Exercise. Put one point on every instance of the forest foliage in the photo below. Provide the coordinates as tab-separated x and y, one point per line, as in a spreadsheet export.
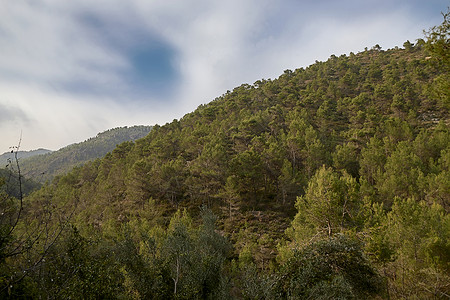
332	181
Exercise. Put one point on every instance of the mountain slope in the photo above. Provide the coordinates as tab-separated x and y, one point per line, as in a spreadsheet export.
11	188
22	155
45	167
252	151
330	180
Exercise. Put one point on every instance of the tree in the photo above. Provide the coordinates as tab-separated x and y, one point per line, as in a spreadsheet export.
207	171
231	197
25	241
288	182
167	180
402	174
438	184
411	243
330	205
438	40
195	257
144	274
305	148
346	157
247	166
332	268
438	44
372	160
78	267
178	248
408	46
213	249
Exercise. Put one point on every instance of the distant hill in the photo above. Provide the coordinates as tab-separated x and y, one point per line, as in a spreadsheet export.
22	154
8	173
50	164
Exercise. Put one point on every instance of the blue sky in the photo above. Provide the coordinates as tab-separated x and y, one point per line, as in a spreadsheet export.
71	69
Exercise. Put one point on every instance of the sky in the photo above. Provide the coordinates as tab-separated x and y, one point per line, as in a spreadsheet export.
72	69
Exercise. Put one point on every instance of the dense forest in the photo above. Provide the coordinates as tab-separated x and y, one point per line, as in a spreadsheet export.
330	182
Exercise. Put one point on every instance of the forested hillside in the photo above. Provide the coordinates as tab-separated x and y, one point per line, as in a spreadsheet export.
9	180
7	156
45	167
332	181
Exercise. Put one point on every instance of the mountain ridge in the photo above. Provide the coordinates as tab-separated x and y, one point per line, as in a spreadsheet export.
48	165
22	154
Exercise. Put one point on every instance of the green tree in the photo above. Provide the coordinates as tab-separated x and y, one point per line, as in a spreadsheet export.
77	267
330	205
195	257
289	182
408	46
438	41
178	249
230	195
373	158
333	268
438	184
346	158
306	150
208	171
420	235
402	174
247	166
168	180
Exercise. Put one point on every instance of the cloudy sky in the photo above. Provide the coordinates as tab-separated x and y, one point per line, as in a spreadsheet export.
72	69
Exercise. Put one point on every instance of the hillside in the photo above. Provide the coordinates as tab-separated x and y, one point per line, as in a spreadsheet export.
332	180
45	167
22	155
10	187
262	143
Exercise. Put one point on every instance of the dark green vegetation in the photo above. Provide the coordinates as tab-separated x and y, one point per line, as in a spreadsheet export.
9	179
45	167
330	182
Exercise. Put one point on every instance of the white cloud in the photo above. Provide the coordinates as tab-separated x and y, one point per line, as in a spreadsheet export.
51	120
44	44
218	45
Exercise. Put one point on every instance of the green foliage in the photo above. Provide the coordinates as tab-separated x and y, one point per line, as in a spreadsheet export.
11	186
438	41
258	146
8	210
345	158
411	242
78	267
403	172
334	268
330	205
254	284
182	262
